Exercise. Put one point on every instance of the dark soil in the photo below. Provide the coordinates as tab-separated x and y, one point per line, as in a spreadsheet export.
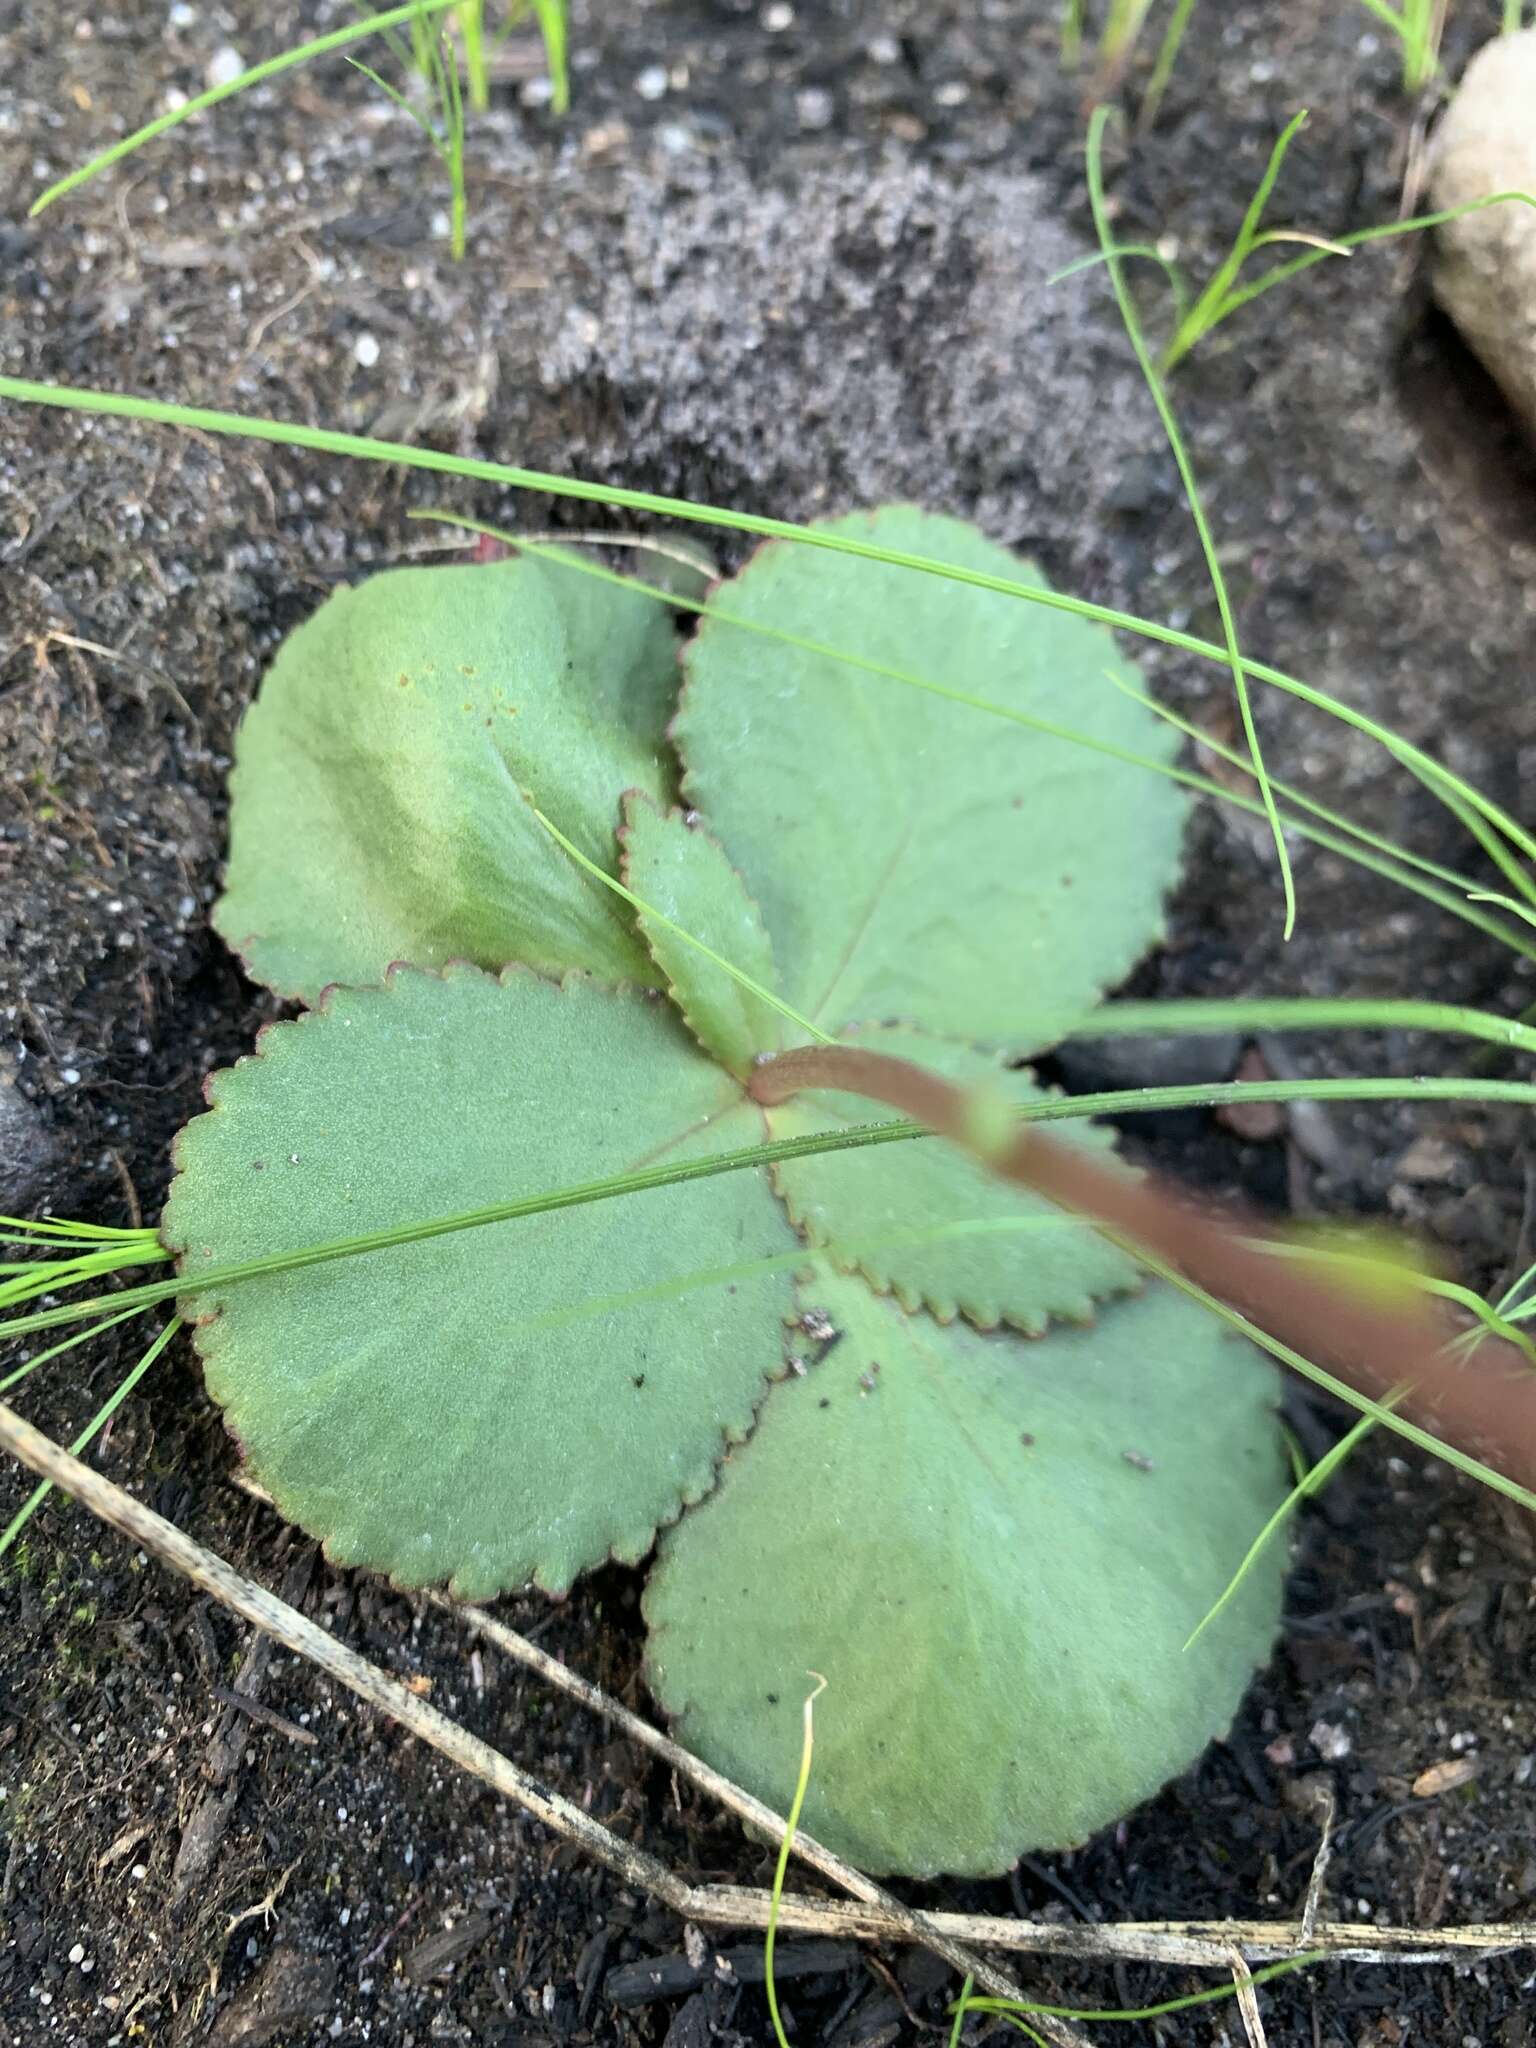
811	272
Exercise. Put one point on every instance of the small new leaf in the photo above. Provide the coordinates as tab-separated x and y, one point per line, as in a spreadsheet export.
673	864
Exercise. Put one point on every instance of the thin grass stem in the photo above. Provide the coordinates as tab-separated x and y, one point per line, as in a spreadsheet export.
1006	2008
258	74
1154	385
284	433
1455	899
1167	59
1207	309
1056	1109
807	1746
1311	1482
97	1423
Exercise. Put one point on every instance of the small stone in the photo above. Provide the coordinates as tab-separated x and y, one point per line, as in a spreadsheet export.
1445	1777
1331	1740
777	17
366	350
1257	1122
1089	1064
1484	271
29	1154
223	67
652	82
77	1952
814	108
1428	1159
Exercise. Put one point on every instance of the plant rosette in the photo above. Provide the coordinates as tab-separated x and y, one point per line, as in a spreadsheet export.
876	1414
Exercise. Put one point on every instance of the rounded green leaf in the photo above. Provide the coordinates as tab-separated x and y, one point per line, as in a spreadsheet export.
510	1402
915	857
672	864
1011	1257
994	1550
384	780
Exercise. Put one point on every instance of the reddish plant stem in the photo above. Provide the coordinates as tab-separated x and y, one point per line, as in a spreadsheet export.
1481	1400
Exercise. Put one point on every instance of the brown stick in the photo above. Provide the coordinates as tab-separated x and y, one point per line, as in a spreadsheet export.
1480	1399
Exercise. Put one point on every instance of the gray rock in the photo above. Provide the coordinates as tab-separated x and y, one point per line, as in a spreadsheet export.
1485	263
29	1153
1168	1060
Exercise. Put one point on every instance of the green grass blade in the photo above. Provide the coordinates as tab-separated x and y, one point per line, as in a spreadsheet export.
98	1422
258	74
1377	1411
552	26
791	1824
1302	1013
284	433
1296	796
959	2010
1007	2007
392	93
1109	1102
1072	33
1154	385
54	1227
471	22
1313	1481
1352	842
1167	59
1245	295
1207	309
29	1366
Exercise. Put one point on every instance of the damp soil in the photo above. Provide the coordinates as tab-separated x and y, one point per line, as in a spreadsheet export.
787	260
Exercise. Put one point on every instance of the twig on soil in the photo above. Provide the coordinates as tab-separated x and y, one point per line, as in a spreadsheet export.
919	1928
267	1716
1204	1944
284	1624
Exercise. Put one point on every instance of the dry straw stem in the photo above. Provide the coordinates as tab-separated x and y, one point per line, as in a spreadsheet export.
1248	2002
870	1917
705	1904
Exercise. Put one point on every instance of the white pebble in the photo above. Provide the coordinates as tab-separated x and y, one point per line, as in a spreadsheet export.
366	350
70	1076
778	17
652	82
1331	1741
181	15
814	107
77	1953
223	67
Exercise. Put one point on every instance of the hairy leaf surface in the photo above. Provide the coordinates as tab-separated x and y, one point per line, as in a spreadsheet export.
994	1552
847	1202
679	870
385	777
914	857
510	1402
